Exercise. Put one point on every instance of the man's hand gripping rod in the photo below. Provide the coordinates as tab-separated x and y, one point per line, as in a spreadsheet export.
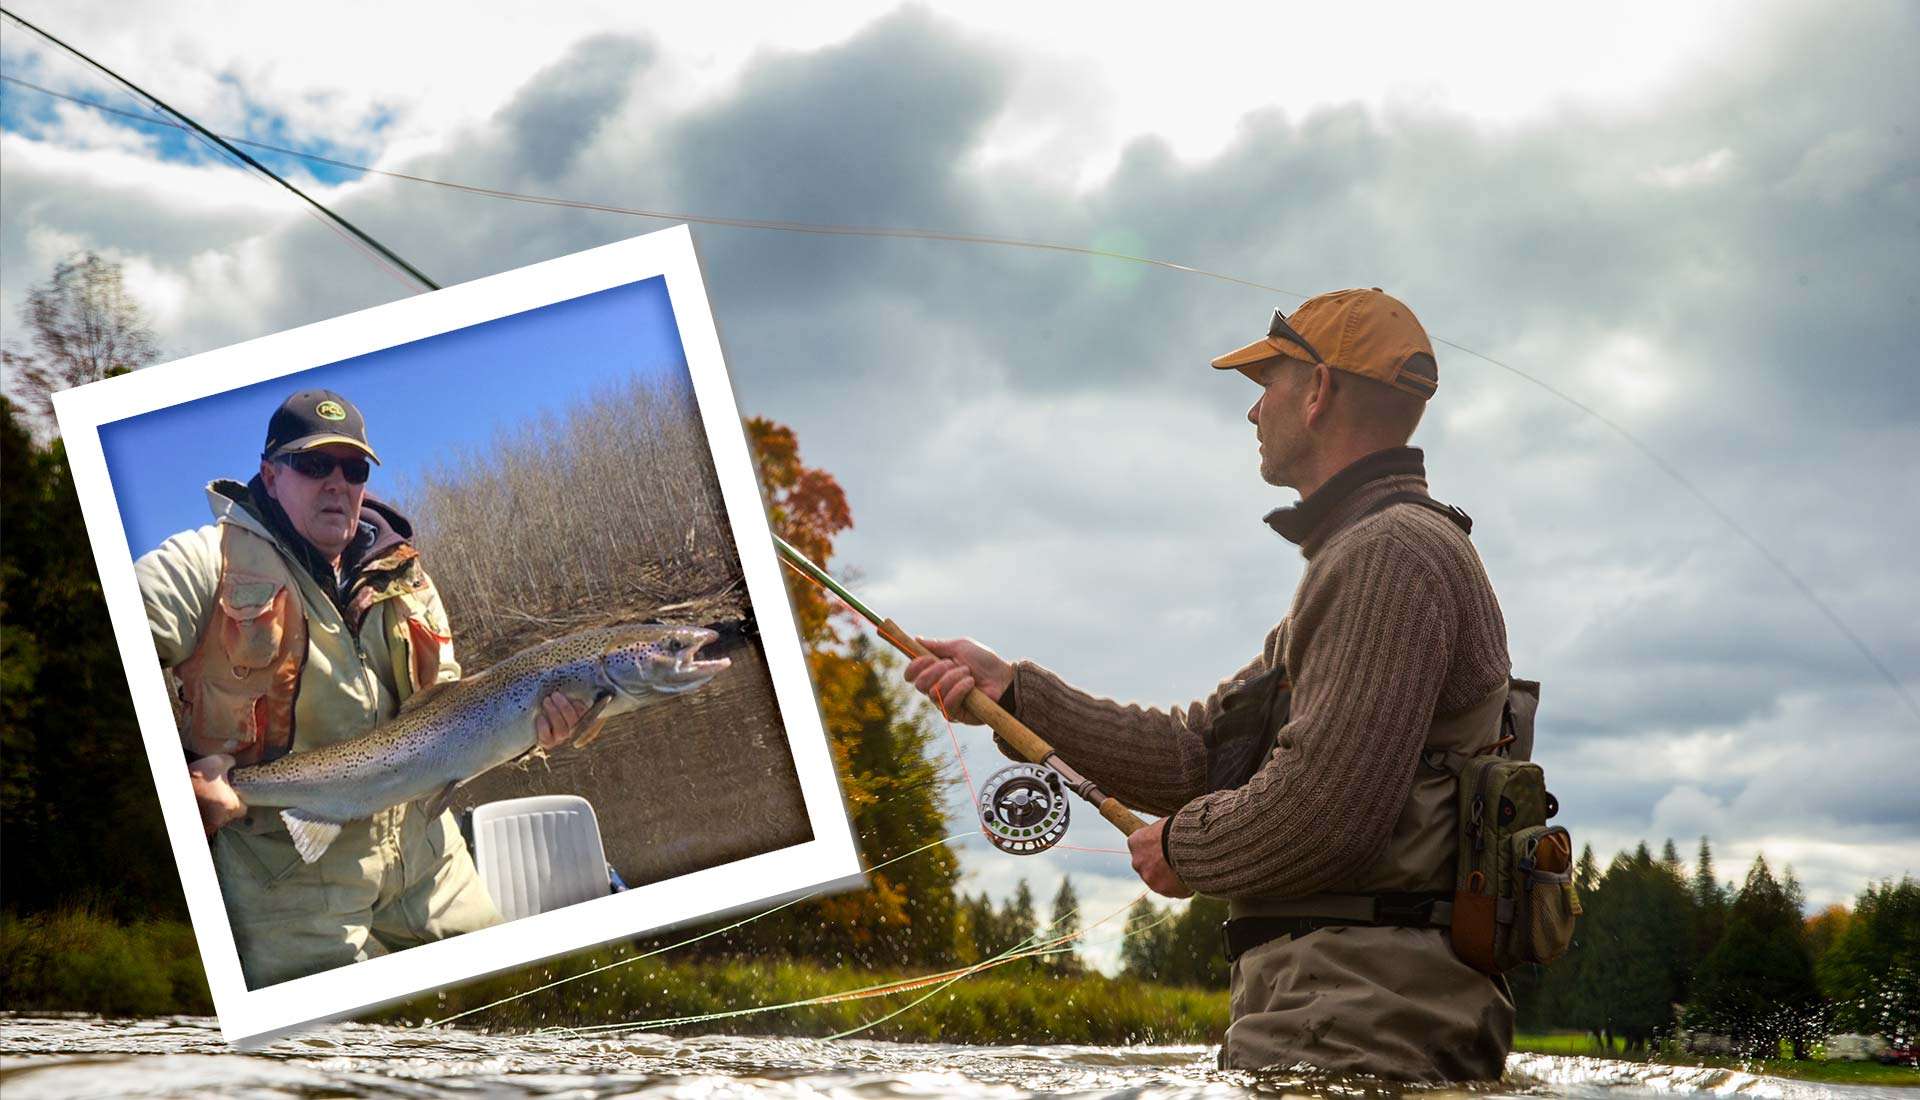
1011	729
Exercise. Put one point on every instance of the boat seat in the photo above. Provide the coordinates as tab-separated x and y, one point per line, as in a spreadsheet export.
539	854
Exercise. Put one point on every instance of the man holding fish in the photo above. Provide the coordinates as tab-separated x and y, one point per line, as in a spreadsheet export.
303	618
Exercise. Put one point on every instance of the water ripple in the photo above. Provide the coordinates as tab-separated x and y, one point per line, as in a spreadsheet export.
80	1058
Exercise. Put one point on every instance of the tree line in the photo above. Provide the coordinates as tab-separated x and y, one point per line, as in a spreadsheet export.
1664	954
79	823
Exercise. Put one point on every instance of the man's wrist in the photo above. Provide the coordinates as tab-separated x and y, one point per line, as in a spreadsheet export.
1166	841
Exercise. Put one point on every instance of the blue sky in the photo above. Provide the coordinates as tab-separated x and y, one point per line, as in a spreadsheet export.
422	401
31	111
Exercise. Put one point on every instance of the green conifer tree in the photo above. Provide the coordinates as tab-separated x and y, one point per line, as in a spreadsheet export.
1194	956
1586	873
985	936
1064	920
1143	954
1872	971
1709	905
1019	923
79	820
1757	986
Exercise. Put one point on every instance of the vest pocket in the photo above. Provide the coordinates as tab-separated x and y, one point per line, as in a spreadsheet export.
229	684
1546	903
228	718
426	647
248	625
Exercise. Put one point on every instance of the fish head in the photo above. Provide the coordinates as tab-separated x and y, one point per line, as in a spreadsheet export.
659	660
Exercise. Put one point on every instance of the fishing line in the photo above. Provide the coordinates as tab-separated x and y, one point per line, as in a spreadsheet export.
1029	947
960	754
683	943
603	968
882	989
385	252
147	115
916	1002
1663	465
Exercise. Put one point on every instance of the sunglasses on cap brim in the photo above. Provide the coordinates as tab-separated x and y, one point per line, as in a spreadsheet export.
1280	330
319	467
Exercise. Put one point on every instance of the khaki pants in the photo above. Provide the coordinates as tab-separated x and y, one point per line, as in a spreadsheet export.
394	881
1388	1002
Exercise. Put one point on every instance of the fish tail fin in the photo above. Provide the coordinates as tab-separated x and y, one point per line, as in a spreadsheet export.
311	834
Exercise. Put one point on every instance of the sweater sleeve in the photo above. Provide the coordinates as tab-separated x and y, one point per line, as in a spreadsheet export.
1370	650
1151	759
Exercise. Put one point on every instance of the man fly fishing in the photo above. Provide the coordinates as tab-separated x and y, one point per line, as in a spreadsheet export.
1304	789
301	618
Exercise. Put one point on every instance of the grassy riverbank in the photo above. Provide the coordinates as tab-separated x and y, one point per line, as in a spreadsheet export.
1019	1003
1833	1073
79	961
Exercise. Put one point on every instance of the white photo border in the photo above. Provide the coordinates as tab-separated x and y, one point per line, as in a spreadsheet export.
829	861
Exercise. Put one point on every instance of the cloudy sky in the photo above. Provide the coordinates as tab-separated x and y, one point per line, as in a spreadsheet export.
1702	222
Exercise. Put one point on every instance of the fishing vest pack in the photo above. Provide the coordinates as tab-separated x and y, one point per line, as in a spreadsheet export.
239	689
1512	900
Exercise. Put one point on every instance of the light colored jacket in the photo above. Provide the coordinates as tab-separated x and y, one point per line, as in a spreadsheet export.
350	680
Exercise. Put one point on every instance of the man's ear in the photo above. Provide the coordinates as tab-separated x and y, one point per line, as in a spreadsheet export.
1319	395
267	475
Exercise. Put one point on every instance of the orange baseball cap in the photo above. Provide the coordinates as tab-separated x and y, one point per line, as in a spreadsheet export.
1363	332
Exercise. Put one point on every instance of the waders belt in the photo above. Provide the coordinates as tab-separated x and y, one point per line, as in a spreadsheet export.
1296	917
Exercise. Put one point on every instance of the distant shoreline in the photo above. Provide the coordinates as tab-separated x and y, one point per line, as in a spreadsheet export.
80	961
1580	1044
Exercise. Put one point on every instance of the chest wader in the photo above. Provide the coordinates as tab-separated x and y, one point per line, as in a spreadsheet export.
1471	853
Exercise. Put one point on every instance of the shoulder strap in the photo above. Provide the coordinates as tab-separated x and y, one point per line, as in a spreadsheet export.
1407	496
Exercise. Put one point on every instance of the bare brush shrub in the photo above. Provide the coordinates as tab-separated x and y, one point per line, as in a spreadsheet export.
83	326
609	510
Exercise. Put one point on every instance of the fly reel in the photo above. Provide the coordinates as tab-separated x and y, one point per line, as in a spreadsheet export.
1023	809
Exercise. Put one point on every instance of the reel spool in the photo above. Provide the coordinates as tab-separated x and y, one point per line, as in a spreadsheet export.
1023	809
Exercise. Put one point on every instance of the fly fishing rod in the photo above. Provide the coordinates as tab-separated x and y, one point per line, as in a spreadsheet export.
1023	808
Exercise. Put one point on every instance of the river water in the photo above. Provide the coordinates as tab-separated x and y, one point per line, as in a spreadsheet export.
77	1058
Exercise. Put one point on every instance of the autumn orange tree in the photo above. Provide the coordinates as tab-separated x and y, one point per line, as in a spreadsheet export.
880	745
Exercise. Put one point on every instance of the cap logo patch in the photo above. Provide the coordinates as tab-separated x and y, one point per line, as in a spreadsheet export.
330	410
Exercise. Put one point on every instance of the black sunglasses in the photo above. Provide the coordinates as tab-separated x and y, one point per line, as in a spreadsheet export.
1280	330
319	466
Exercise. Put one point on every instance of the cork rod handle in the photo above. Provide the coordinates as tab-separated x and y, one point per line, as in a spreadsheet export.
1015	732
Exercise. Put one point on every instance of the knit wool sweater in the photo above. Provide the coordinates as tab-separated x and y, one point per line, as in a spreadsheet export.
1393	624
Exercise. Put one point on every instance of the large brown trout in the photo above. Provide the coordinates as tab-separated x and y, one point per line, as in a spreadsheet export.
451	732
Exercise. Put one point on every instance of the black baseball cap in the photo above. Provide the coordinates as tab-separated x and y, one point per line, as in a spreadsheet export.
315	418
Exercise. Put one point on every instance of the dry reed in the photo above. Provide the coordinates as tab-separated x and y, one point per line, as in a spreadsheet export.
610	511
